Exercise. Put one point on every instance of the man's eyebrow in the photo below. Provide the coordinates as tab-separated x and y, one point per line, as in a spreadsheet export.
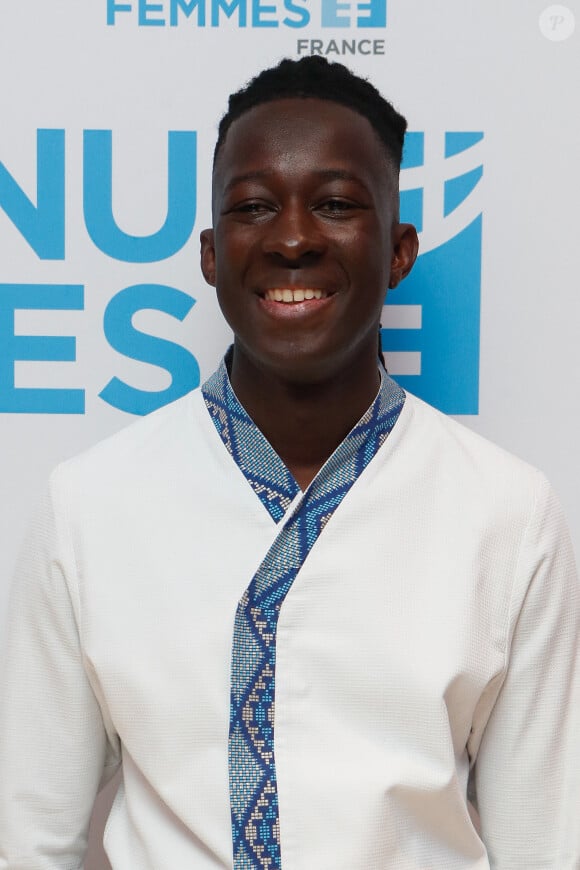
338	175
323	174
256	175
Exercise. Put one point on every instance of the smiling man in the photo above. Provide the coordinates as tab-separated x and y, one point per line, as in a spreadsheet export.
306	241
304	612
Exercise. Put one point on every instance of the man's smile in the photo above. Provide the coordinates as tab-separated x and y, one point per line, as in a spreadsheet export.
294	294
291	302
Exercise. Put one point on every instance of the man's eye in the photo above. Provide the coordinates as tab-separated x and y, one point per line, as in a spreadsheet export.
335	206
250	208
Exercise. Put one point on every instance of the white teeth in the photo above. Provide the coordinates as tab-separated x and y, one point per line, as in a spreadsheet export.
297	295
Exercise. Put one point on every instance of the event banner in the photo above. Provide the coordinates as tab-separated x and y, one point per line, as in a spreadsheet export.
109	118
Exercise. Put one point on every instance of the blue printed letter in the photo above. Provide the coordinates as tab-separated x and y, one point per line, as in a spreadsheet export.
42	226
113	8
187	6
303	15
122	335
229	8
145	19
98	197
330	14
258	13
61	297
377	13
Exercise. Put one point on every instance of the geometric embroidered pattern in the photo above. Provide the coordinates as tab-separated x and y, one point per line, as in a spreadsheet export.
250	450
252	767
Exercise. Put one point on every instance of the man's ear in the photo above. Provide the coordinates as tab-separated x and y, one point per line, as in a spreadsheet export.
405	250
207	256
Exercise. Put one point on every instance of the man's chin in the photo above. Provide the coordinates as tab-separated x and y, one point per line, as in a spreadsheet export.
300	366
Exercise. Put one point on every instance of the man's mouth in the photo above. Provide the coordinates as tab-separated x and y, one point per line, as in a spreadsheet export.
298	294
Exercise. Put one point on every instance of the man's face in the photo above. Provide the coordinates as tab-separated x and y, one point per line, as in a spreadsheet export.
306	238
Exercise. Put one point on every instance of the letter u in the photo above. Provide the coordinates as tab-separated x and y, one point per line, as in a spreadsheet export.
98	200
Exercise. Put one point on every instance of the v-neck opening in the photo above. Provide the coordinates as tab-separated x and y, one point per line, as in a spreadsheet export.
267	474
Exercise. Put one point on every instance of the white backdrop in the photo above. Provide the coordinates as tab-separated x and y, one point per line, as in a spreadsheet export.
508	70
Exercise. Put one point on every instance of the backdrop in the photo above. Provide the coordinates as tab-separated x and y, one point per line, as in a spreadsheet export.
108	119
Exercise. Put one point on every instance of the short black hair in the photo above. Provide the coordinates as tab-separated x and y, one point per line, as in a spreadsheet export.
318	78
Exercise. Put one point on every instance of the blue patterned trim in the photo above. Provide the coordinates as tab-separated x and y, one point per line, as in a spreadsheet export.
252	453
253	787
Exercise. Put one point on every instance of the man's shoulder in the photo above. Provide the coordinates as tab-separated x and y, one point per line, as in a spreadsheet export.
469	459
137	449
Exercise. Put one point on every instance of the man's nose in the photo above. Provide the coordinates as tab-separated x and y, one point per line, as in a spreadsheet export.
294	233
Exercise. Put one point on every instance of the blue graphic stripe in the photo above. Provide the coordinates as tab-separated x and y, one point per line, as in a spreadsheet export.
252	768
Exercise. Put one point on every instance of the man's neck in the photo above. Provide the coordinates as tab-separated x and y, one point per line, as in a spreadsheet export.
305	423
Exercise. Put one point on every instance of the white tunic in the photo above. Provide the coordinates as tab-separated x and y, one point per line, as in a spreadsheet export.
434	626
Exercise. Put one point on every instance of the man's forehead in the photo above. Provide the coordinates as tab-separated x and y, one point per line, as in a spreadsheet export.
291	123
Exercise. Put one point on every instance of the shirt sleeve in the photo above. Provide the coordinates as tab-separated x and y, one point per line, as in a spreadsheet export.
53	743
527	770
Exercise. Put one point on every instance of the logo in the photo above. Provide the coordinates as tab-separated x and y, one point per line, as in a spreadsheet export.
432	321
249	13
557	23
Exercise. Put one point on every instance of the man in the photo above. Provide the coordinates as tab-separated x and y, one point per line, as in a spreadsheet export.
301	609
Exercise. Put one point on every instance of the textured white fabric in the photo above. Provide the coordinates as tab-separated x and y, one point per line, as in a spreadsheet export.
434	624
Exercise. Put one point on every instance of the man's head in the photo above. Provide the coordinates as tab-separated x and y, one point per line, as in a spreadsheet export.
306	235
316	78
